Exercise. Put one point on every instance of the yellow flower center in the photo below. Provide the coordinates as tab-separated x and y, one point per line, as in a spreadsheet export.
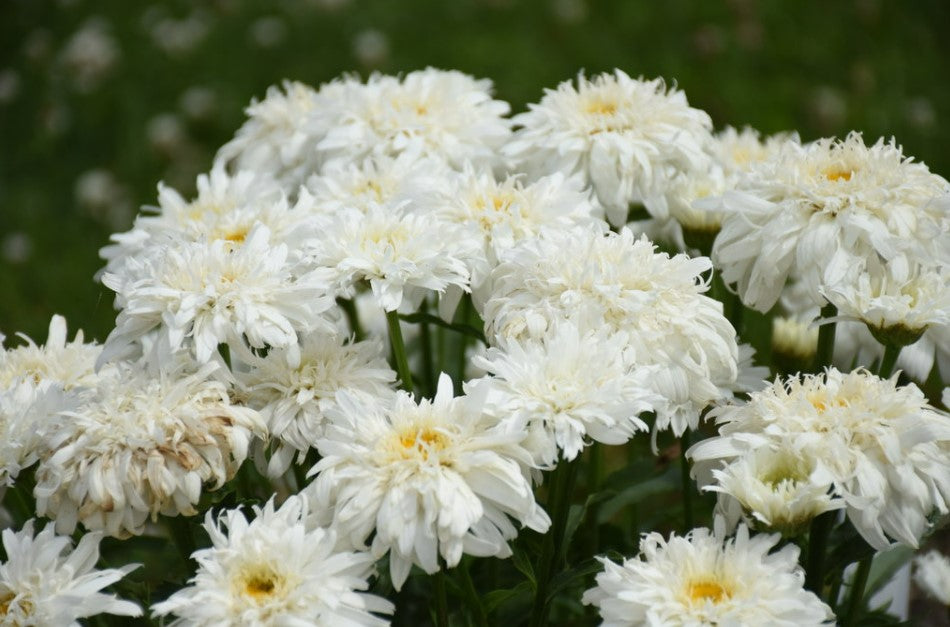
601	107
706	590
260	584
838	174
418	442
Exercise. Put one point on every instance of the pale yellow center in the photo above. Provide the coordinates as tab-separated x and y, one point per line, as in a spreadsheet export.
260	584
706	590
838	174
601	107
424	440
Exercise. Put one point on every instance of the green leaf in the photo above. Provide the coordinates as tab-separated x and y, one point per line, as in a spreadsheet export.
886	564
496	597
523	563
667	482
464	329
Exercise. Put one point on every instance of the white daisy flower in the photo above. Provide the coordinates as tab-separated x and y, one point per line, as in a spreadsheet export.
443	114
437	478
47	581
700	580
499	214
773	489
624	136
140	447
401	255
294	387
565	388
198	295
28	411
932	574
377	181
274	570
69	365
883	449
898	301
689	194
278	139
226	207
620	283
818	212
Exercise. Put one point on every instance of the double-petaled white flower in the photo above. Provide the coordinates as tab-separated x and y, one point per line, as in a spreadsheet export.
279	138
275	570
703	579
882	448
621	283
197	295
818	212
226	207
626	137
402	255
294	387
47	581
140	446
435	479
442	114
565	388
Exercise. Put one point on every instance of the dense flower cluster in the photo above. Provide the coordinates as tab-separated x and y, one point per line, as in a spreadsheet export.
405	232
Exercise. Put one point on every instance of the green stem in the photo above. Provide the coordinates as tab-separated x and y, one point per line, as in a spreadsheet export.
826	338
687	482
888	361
858	583
428	366
595	476
553	549
441	601
465	310
821	527
399	350
349	308
474	601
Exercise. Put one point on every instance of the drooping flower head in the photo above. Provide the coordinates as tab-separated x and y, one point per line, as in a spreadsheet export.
275	570
702	579
428	479
141	446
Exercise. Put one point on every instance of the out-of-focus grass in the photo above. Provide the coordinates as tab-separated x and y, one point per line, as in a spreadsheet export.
149	91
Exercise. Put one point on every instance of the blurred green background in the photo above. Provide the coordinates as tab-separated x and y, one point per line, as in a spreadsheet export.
101	100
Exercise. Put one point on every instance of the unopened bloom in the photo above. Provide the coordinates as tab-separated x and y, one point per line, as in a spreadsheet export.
626	137
275	570
47	581
700	579
437	478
